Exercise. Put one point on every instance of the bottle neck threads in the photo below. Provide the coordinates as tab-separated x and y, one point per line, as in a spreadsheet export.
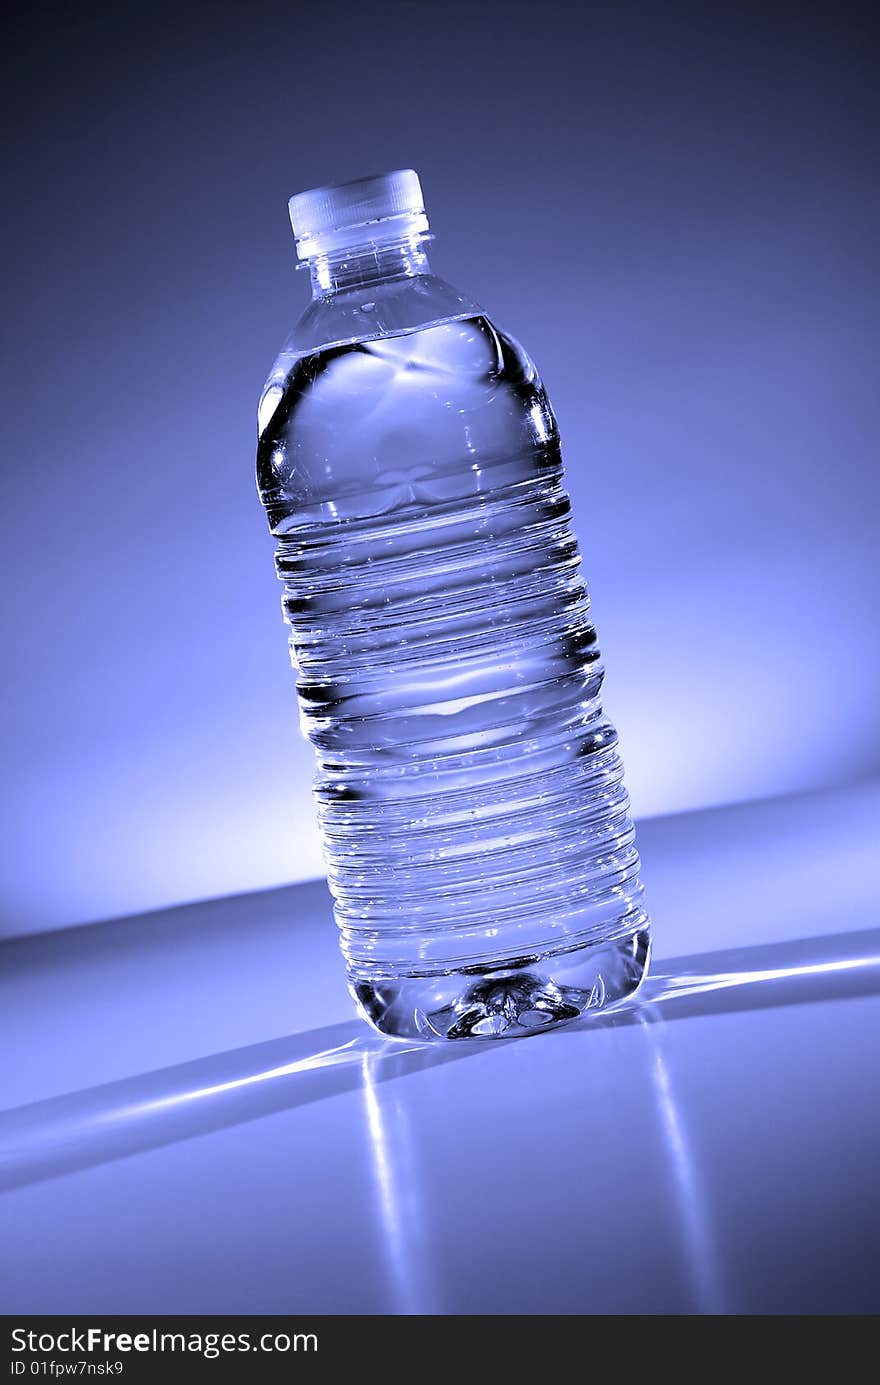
362	266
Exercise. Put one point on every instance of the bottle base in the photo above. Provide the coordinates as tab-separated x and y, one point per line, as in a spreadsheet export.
509	999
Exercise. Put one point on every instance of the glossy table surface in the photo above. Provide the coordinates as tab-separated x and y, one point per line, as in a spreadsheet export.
194	1120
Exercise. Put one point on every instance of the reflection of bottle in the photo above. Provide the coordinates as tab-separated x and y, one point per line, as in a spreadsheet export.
477	832
398	1194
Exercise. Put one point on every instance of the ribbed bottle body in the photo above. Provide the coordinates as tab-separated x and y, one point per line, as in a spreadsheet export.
469	787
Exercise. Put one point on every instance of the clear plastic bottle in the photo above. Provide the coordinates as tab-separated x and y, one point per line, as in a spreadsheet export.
477	832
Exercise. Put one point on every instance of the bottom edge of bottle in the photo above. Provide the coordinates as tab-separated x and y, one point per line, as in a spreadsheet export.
520	997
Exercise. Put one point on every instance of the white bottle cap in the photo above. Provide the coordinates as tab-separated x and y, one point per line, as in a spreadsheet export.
369	211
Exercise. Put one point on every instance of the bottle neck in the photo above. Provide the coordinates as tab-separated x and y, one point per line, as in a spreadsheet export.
364	266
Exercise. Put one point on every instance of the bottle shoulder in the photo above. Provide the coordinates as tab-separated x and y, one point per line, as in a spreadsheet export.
377	310
428	412
418	307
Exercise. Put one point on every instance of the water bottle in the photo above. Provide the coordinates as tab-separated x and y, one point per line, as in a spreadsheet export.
469	789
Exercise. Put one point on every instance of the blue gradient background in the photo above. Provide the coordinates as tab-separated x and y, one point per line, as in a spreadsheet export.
675	209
